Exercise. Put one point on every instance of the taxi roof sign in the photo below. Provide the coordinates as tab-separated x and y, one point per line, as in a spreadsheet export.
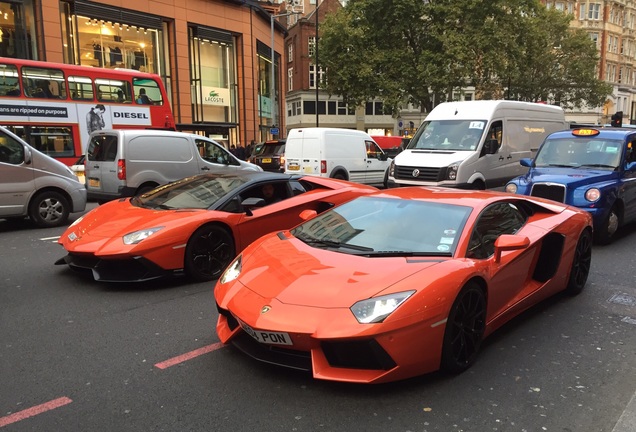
585	132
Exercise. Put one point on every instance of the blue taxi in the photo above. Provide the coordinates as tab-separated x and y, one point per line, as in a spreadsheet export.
593	169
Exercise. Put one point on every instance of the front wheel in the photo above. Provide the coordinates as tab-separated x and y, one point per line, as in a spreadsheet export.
464	329
580	264
49	209
210	249
605	233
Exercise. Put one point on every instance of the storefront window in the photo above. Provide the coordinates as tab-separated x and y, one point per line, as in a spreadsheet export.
213	82
17	30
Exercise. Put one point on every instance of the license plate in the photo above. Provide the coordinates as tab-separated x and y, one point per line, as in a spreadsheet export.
267	337
266	160
293	167
93	182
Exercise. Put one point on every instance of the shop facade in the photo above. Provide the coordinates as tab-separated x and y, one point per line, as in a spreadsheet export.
214	56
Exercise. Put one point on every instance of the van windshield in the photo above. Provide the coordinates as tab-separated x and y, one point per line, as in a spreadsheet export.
458	135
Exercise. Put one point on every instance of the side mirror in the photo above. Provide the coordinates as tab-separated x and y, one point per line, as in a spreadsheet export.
526	162
491	146
509	242
382	156
631	166
251	203
27	155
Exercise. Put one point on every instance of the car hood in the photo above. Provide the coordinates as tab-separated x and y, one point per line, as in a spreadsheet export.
294	273
120	217
569	176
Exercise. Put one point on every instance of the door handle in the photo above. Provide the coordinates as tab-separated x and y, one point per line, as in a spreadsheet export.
500	157
509	157
205	169
368	161
95	166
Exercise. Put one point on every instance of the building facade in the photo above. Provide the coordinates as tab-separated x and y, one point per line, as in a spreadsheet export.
214	56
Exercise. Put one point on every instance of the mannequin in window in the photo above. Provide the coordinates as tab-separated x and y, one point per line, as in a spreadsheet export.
143	98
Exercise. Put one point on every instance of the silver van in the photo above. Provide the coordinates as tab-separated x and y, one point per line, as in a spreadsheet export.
36	185
128	162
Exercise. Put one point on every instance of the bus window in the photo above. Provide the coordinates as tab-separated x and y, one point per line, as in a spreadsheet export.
43	83
113	91
81	88
9	82
147	91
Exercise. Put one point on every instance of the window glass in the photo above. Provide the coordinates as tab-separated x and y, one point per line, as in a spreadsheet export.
81	88
9	82
214	153
102	148
11	151
43	83
498	219
149	88
109	90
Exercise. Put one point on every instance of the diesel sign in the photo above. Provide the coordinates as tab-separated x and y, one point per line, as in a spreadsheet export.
130	115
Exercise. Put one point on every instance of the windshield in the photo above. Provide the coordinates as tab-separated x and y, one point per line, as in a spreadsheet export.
199	192
457	135
592	152
373	226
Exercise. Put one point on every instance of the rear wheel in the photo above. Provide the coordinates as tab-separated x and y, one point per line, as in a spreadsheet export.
339	176
145	188
49	209
210	249
580	264
607	230
464	329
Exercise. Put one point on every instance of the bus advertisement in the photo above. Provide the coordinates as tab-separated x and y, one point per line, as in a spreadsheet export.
54	107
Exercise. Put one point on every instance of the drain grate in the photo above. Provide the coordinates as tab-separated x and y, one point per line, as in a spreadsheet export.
623	299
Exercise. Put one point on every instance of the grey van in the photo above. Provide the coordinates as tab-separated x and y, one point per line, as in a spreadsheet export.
128	162
36	185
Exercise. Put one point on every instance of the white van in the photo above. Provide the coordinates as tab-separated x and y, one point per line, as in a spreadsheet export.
127	162
475	144
337	153
36	185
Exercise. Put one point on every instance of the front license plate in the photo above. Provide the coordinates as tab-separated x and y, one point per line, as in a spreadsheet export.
267	160
293	167
267	337
93	182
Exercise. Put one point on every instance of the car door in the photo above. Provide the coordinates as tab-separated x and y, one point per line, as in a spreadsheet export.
508	276
213	158
495	157
280	215
101	165
376	163
628	181
17	181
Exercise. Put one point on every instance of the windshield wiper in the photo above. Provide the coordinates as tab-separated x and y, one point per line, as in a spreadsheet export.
374	254
332	243
598	166
559	166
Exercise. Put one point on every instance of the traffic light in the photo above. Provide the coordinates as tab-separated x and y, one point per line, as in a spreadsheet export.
617	119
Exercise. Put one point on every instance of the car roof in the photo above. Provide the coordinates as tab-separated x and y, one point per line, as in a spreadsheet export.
254	176
608	133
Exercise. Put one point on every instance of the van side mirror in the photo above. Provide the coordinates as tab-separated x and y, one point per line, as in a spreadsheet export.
382	156
491	146
27	155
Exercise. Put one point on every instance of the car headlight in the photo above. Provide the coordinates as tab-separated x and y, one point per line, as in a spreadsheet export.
592	194
392	169
451	171
232	271
376	309
511	188
137	236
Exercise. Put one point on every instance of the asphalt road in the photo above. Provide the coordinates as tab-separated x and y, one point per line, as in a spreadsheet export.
77	355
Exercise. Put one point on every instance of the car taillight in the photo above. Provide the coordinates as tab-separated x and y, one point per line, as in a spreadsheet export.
323	167
121	169
282	160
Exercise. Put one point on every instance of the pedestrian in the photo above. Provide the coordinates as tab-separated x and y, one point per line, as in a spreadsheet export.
240	152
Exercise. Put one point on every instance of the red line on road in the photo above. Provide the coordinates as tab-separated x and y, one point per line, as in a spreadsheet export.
33	411
188	356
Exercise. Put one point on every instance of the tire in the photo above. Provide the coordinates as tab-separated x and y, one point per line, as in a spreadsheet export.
49	209
605	234
464	329
208	252
339	176
143	189
386	179
478	185
580	264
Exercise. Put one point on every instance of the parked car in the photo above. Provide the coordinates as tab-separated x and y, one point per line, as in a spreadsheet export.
196	225
36	185
271	156
593	169
349	301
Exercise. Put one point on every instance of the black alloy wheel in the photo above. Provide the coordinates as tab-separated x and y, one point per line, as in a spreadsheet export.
208	253
464	329
580	264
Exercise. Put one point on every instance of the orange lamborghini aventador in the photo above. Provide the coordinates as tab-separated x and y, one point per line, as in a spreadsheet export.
195	225
401	282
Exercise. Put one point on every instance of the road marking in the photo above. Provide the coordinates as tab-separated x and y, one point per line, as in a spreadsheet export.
627	420
188	356
33	411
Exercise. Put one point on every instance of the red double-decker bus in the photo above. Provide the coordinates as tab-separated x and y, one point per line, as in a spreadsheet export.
54	106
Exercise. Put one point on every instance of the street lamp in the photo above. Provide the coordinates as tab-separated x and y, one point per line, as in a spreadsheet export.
272	78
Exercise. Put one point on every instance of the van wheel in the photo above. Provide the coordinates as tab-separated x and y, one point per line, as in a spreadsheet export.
49	209
478	185
339	176
210	249
144	189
